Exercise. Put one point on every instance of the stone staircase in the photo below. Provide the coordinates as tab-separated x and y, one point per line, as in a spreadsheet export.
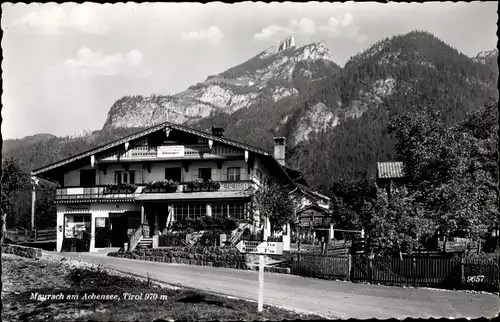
145	242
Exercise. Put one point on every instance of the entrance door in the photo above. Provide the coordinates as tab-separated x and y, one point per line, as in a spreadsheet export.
102	233
118	230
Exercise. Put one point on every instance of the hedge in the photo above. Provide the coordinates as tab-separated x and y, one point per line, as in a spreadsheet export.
207	256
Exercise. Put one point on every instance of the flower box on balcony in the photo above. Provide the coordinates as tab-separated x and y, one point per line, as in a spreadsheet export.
166	186
120	189
202	185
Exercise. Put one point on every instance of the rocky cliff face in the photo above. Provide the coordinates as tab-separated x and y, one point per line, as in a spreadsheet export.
297	92
271	73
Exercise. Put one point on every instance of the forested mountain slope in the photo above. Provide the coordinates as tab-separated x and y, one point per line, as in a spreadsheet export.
334	118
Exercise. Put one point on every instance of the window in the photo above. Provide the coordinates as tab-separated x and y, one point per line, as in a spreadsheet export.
233	174
87	178
124	177
76	225
205	173
235	210
190	210
173	174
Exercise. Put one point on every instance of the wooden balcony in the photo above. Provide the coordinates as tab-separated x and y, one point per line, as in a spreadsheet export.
168	152
88	194
101	194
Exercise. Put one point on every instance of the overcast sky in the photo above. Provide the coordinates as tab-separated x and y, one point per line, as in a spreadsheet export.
65	65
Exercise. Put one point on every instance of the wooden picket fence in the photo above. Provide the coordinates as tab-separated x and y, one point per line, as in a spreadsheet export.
30	236
413	271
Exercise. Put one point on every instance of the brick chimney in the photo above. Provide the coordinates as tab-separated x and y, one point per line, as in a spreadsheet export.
279	149
217	131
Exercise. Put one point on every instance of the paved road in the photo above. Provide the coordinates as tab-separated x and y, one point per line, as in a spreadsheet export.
327	298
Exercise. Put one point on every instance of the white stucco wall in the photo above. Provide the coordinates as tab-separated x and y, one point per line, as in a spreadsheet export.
72	178
259	165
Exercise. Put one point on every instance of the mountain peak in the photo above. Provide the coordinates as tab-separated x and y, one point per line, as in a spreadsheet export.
289	42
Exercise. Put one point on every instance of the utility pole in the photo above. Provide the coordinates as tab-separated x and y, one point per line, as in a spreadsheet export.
498	190
34	183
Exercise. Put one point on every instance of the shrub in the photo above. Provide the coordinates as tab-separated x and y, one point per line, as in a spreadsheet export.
205	223
120	188
210	238
161	186
200	184
172	240
482	256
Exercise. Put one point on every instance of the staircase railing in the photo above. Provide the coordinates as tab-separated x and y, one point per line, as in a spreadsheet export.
235	238
137	235
145	230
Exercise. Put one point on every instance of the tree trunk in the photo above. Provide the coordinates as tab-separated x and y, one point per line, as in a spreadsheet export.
4	227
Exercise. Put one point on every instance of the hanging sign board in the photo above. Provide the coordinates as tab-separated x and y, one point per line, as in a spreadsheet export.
170	151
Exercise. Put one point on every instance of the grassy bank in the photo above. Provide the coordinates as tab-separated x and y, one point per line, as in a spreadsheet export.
54	288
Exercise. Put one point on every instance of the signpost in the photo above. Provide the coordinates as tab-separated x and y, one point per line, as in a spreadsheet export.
261	248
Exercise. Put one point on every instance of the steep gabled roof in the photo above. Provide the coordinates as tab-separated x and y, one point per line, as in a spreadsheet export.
311	192
390	170
314	206
144	133
296	175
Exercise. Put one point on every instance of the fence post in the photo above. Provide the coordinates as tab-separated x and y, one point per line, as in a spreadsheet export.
414	271
462	271
349	263
369	269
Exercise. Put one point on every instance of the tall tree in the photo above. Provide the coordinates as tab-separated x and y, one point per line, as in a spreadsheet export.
14	179
451	168
273	201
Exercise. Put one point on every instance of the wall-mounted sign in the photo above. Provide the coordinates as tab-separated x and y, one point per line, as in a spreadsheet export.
235	186
100	222
80	206
170	151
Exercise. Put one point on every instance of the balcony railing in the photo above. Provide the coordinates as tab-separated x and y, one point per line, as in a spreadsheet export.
103	193
87	193
224	186
193	151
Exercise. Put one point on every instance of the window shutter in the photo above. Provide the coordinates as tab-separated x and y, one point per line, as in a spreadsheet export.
214	174
223	174
242	174
118	177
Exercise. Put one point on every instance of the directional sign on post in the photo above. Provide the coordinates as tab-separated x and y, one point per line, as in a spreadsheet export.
262	248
